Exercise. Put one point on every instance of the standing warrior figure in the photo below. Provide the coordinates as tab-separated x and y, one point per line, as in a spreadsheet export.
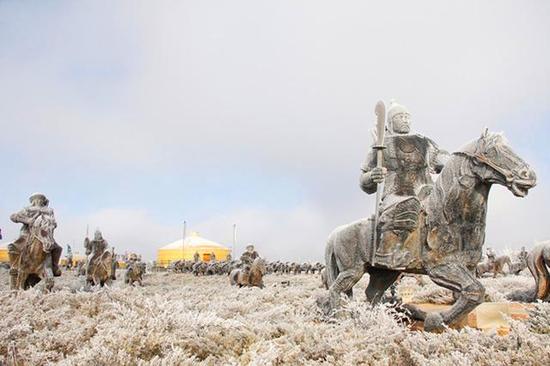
196	257
38	210
99	246
408	161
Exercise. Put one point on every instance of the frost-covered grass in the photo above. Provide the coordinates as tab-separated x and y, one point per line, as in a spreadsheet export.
181	319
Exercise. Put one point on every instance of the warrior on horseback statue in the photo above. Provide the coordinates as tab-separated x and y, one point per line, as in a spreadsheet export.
421	226
100	267
408	160
38	225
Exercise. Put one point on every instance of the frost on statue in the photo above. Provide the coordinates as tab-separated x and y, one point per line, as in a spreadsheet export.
423	227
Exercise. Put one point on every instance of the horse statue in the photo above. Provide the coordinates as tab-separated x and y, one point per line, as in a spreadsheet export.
447	243
101	264
251	277
538	262
496	266
134	273
520	264
32	262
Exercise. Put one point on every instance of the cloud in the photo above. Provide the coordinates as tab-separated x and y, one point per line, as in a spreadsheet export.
125	114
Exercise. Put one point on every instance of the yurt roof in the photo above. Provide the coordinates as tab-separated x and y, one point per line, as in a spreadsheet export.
194	241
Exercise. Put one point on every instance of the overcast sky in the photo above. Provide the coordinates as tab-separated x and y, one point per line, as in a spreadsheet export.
133	116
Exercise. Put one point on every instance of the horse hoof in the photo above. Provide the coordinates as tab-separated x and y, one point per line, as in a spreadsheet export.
434	323
323	302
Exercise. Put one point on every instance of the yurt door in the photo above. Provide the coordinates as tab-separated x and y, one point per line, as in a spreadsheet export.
206	257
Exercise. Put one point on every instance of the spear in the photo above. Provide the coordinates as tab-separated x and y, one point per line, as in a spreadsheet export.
380	111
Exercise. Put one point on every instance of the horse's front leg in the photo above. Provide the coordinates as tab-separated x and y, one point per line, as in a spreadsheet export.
48	272
459	279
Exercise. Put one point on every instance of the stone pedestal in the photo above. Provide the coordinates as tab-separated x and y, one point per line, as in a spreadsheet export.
488	317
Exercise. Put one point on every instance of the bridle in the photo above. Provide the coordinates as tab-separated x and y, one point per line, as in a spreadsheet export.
509	175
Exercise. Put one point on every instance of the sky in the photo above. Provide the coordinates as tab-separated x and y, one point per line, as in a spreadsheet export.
135	116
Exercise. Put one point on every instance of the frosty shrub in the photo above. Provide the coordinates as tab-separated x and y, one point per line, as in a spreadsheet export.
184	320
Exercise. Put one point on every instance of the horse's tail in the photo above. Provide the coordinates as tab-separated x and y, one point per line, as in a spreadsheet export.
536	262
331	270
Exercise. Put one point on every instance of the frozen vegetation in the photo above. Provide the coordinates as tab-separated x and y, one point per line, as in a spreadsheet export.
181	319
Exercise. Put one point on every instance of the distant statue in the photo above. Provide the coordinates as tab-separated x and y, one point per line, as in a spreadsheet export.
228	257
252	277
437	230
101	265
35	254
69	257
247	258
521	263
494	264
196	257
134	270
212	257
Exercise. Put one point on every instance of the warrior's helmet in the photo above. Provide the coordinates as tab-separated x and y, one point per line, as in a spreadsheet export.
38	197
395	110
98	235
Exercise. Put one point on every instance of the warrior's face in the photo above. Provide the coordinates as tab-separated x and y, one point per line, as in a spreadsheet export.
401	123
39	202
97	235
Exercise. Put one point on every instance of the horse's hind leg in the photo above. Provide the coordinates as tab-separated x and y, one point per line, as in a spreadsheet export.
380	280
344	283
456	278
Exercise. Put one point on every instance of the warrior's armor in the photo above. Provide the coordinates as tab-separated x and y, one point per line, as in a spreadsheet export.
409	160
249	255
38	210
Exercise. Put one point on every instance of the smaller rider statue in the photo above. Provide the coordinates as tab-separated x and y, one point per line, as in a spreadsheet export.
28	216
247	258
98	245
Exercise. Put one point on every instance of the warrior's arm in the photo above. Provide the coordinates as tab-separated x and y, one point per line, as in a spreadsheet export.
438	157
370	174
25	216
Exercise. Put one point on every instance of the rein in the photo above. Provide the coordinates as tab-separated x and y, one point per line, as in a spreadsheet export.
481	158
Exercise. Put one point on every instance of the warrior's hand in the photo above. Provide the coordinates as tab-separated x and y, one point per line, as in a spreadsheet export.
377	175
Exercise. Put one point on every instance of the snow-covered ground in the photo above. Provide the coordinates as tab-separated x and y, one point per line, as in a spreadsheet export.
181	319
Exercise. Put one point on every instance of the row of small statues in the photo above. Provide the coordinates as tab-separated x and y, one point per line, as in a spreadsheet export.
496	264
35	255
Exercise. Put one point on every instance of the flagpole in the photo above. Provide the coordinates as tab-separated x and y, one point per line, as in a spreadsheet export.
234	239
183	240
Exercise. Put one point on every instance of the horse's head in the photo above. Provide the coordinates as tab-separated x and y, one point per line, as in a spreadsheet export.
259	264
495	162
